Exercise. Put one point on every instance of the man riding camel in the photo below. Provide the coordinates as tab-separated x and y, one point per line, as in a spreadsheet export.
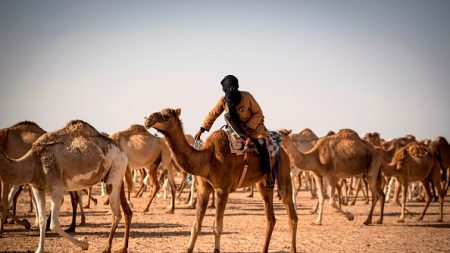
245	117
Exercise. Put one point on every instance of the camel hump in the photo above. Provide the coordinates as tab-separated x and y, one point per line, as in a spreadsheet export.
27	125
441	140
347	134
305	135
80	128
417	149
137	129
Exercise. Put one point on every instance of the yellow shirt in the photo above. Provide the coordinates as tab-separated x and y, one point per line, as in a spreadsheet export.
249	112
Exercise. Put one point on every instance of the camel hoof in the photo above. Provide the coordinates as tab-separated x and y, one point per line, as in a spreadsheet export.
87	207
70	230
379	222
367	222
191	207
350	216
420	219
313	212
83	243
439	220
316	223
26	224
211	206
171	211
401	220
216	250
123	250
145	210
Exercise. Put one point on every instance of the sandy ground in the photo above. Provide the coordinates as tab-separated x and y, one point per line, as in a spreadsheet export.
244	226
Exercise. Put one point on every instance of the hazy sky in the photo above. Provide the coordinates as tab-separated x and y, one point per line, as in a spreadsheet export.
371	66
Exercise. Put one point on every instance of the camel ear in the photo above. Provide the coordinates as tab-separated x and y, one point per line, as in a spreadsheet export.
177	111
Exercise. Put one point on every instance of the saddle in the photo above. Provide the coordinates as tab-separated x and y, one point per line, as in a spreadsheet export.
237	145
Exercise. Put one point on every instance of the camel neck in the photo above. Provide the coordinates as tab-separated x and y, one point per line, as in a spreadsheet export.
191	160
302	161
17	171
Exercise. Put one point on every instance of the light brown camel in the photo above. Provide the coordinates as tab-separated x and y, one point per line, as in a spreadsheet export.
219	170
338	156
15	141
72	158
145	150
303	142
416	163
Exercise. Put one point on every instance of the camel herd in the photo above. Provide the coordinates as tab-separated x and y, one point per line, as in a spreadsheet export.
77	157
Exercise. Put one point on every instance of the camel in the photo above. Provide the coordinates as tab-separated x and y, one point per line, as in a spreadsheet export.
15	141
72	158
441	149
303	142
218	170
145	150
339	156
416	163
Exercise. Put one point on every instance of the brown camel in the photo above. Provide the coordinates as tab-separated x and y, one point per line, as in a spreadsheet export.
416	163
441	149
15	141
219	170
339	156
72	158
145	150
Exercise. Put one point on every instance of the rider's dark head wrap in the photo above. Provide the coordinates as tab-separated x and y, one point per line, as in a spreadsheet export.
230	85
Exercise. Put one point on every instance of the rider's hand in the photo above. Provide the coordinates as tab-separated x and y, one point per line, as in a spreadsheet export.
199	133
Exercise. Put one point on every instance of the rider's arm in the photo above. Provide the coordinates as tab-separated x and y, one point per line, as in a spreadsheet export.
257	117
213	114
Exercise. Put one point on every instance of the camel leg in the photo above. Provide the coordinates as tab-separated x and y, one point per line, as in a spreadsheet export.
222	199
192	197
39	196
173	189
404	188
250	194
114	202
182	185
155	184
294	173
7	200
267	195
213	201
80	203
74	199
332	181
320	202
358	188
128	215
374	179
293	219
56	200
203	191
426	187
437	182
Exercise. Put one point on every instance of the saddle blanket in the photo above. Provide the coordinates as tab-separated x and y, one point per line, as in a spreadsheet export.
273	141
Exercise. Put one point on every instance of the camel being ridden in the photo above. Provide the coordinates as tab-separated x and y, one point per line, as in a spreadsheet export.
340	156
72	158
217	169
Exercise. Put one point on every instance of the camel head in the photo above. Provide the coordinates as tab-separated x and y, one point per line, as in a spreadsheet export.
162	120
